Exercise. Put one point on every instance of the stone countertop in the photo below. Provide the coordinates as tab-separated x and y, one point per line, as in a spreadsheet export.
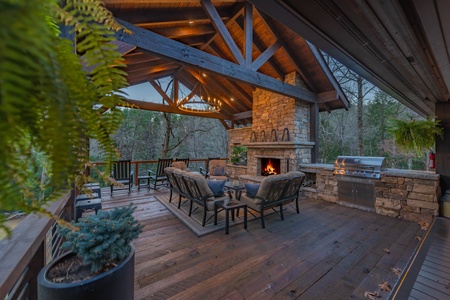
389	172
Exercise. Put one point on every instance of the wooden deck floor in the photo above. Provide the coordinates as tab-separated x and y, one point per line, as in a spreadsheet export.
326	252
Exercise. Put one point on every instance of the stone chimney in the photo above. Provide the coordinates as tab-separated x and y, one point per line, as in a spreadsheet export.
280	130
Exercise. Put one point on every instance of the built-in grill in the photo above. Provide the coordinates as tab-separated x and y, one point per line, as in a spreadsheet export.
356	176
359	166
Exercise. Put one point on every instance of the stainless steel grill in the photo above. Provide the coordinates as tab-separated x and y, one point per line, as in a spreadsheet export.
356	176
359	166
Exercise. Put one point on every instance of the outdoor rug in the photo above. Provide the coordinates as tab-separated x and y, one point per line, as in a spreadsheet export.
194	222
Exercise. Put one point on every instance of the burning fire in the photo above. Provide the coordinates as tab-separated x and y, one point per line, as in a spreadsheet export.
270	170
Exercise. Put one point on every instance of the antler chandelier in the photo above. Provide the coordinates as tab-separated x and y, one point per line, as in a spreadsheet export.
199	102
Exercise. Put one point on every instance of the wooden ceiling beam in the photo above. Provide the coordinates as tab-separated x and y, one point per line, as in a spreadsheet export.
265	56
161	92
138	58
222	29
183	22
189	31
238	10
288	50
248	34
145	65
243	115
260	46
154	69
198	59
330	75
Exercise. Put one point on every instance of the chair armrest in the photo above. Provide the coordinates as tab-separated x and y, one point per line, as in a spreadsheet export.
150	172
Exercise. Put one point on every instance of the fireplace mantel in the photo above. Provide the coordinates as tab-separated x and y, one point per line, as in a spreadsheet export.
279	145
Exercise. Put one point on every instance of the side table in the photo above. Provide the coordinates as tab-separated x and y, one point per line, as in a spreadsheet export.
236	188
229	206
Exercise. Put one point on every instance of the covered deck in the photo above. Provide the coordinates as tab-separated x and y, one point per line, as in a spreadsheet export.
326	252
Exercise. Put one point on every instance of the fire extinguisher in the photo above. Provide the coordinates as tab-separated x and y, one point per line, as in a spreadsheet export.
431	163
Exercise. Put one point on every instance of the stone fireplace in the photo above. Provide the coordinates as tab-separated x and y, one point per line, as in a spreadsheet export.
280	131
268	166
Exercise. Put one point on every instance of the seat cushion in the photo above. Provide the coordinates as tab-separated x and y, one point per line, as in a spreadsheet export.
252	189
216	187
218	171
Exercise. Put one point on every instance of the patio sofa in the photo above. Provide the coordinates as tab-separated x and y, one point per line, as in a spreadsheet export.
275	190
195	188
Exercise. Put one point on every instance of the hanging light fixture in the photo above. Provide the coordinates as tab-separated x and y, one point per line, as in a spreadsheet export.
199	101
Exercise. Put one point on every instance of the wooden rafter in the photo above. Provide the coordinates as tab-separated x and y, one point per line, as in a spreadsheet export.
330	76
164	47
220	27
248	36
266	55
257	42
287	49
161	92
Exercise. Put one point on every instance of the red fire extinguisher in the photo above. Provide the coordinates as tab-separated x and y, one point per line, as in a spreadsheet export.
431	163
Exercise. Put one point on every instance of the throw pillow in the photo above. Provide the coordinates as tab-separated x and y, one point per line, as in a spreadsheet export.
252	189
216	187
218	171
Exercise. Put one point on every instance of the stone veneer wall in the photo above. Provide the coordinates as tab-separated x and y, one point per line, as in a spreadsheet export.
409	195
273	111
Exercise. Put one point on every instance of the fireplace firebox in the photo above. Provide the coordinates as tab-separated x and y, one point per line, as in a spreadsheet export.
270	166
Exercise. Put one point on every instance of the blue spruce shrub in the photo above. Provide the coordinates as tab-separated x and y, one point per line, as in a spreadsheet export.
102	239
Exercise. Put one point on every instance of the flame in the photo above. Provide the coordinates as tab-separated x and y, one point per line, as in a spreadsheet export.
270	169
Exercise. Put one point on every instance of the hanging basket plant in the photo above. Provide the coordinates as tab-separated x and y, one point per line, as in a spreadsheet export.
415	136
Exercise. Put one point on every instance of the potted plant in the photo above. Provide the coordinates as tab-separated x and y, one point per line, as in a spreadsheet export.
100	261
415	136
239	155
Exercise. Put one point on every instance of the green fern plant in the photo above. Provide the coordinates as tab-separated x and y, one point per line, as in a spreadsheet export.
49	85
415	136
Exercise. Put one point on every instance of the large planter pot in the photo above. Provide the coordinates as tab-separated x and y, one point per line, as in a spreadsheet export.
117	283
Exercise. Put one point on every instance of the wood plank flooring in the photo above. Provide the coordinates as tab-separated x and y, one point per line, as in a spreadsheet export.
326	252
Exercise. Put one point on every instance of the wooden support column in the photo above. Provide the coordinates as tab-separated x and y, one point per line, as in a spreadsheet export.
314	131
442	111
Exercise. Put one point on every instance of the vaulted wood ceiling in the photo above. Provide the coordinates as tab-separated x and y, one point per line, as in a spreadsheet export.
402	46
235	46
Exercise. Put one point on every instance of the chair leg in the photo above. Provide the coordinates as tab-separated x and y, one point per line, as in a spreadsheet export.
170	196
296	205
204	217
190	208
281	211
262	219
111	189
179	202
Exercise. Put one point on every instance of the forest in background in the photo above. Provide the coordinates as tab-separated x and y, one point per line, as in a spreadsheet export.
362	130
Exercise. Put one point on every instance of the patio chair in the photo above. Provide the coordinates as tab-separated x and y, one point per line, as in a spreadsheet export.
218	170
122	175
158	177
185	160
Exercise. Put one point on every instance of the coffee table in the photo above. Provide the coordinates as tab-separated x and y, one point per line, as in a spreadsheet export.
229	206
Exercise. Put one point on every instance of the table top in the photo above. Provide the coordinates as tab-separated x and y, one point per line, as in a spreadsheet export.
230	204
229	185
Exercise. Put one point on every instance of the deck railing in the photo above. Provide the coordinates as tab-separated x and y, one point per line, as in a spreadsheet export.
34	243
140	167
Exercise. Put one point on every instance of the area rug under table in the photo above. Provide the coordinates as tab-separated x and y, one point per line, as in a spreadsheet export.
194	222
